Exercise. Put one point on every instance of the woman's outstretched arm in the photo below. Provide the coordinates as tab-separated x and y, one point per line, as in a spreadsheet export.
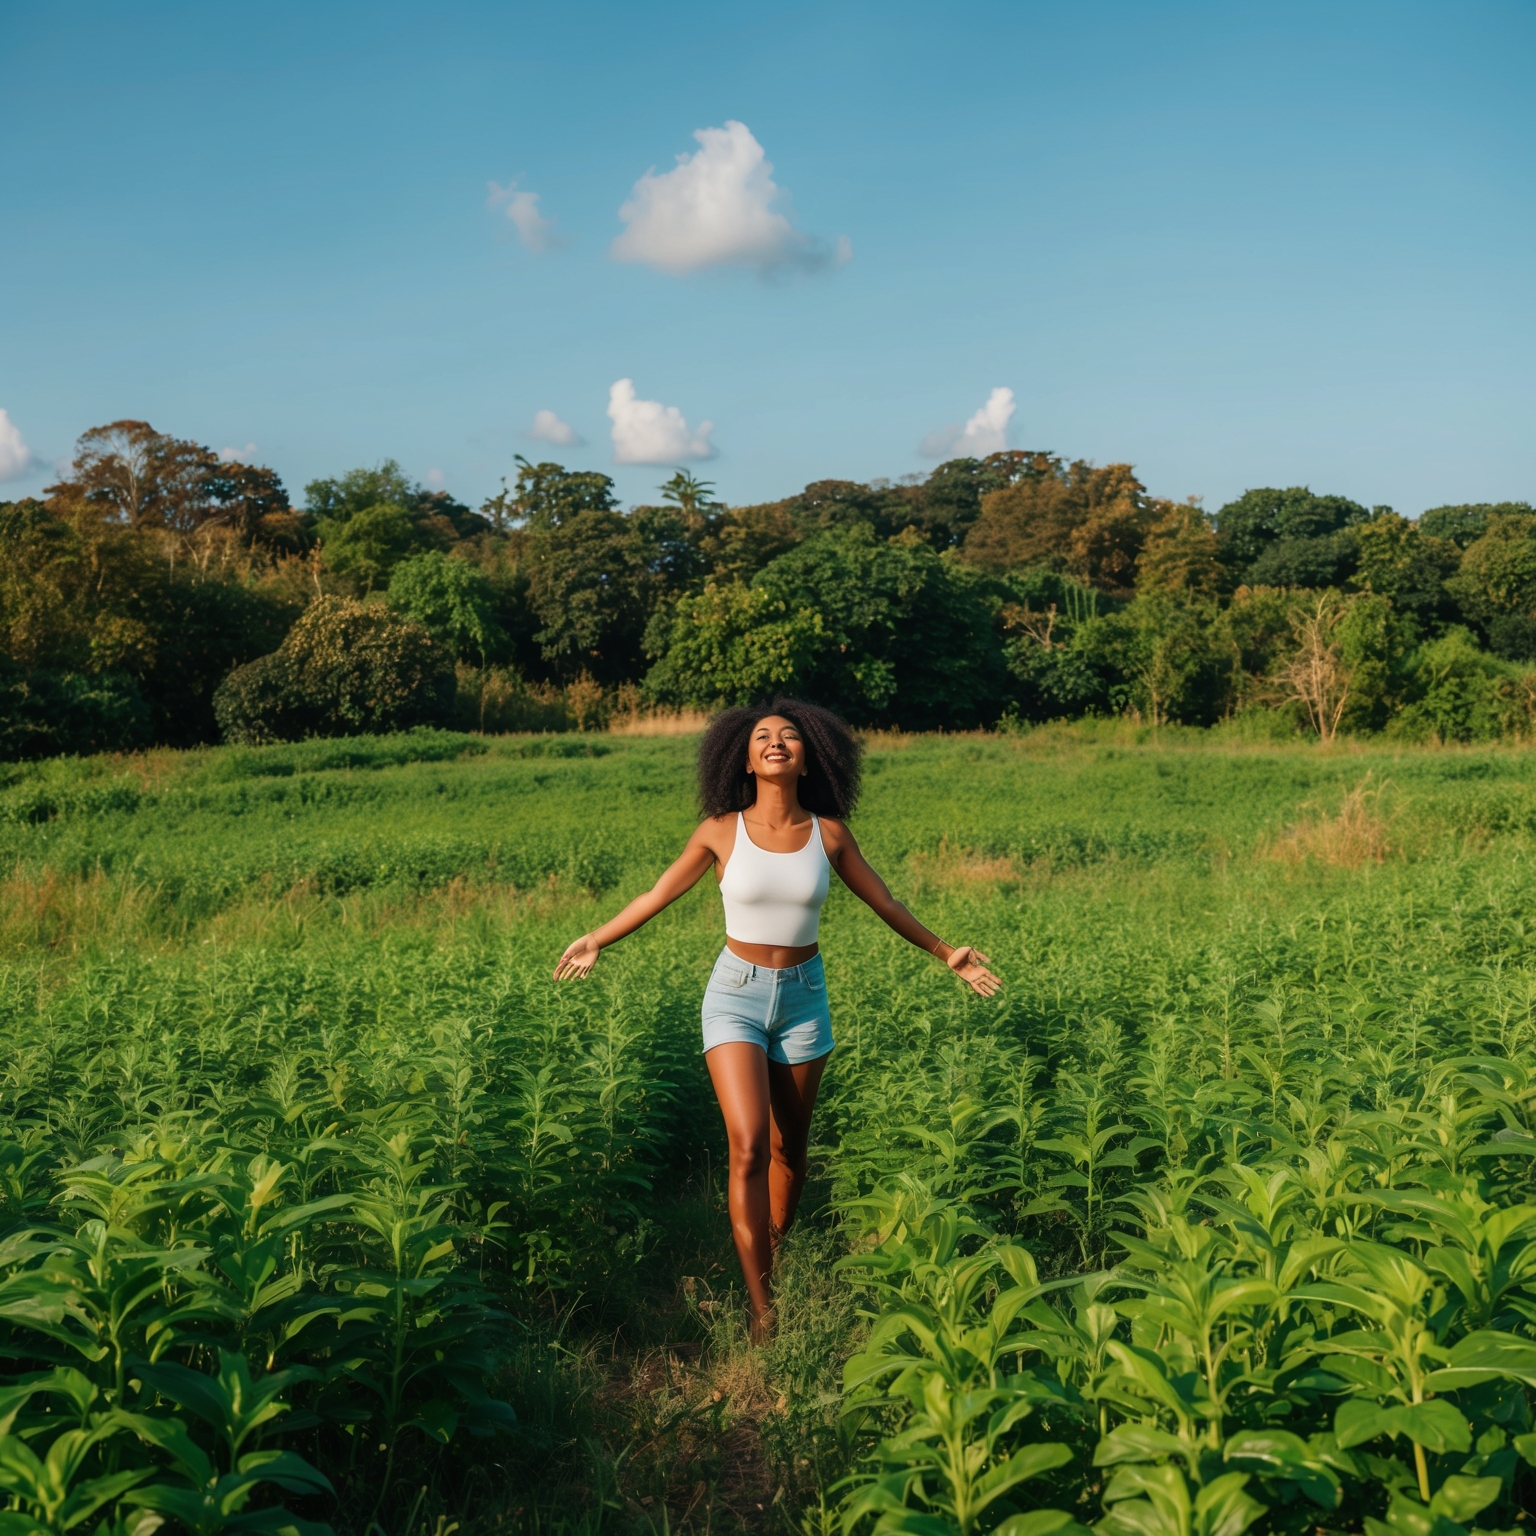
860	876
681	876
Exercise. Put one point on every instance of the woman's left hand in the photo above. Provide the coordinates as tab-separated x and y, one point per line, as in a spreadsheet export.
970	965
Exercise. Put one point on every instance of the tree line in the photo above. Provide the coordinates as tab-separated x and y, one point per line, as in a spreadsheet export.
159	594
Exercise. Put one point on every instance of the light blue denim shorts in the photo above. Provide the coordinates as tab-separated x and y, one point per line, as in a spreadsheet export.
783	1010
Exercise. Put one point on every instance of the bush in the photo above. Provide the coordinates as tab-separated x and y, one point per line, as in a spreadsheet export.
496	700
46	712
1464	694
345	669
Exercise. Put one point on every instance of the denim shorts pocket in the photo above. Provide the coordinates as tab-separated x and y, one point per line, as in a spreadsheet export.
729	976
816	981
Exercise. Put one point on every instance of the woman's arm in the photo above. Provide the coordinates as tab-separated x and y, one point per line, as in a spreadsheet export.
859	875
682	875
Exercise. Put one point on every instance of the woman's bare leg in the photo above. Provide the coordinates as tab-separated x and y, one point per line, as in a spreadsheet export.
740	1074
792	1097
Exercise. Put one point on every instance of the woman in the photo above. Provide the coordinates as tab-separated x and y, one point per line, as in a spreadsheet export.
777	783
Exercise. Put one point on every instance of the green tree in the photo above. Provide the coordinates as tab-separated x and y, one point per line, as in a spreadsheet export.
1398	560
745	539
370	519
344	669
87	598
589	584
367	545
549	495
734	643
886	632
452	601
1289	538
1464	524
1498	570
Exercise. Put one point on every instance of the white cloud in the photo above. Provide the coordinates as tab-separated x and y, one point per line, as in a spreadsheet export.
648	432
16	459
548	428
715	209
533	229
435	478
986	432
243	455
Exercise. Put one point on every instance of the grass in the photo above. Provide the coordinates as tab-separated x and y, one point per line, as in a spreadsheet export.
294	952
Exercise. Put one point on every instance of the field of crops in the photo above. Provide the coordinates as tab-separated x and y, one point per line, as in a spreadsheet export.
321	1205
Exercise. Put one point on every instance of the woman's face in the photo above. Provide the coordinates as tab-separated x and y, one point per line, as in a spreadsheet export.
775	750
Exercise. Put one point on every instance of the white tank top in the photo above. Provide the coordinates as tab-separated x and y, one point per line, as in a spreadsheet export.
774	898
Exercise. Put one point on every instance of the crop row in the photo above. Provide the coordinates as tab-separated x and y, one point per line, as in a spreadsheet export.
1273	1271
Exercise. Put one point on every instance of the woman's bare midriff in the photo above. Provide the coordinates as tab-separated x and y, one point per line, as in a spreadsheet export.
776	957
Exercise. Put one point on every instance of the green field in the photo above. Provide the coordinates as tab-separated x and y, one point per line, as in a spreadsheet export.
1239	1159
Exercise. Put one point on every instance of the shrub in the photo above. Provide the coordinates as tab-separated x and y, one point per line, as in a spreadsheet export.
345	669
46	712
497	700
1464	694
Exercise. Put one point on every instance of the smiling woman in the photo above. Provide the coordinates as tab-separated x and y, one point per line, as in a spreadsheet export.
776	781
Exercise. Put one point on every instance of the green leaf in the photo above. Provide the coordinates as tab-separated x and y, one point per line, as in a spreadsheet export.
1041	1522
1138	1442
1358	1420
1463	1498
1222	1508
1278	1453
1436	1425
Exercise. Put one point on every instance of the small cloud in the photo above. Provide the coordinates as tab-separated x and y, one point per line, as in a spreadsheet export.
715	209
986	432
548	428
648	432
240	455
435	478
16	459
533	229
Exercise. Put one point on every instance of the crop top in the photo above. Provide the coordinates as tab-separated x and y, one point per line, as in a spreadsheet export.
774	898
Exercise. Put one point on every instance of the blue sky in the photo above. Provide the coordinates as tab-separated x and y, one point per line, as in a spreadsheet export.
1233	244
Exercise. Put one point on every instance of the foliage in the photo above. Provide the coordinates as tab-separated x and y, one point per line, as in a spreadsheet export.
1462	525
1290	538
1497	579
156	569
112	636
880	632
44	712
344	668
1461	693
1402	562
451	600
1088	522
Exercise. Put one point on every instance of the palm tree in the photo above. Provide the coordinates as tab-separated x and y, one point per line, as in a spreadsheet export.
694	498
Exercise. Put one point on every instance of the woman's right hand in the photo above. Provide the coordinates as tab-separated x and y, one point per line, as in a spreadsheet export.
579	958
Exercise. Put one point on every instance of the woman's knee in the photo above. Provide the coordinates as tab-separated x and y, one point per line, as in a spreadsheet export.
749	1155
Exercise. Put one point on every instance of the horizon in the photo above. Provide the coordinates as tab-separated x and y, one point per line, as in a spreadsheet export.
1230	250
